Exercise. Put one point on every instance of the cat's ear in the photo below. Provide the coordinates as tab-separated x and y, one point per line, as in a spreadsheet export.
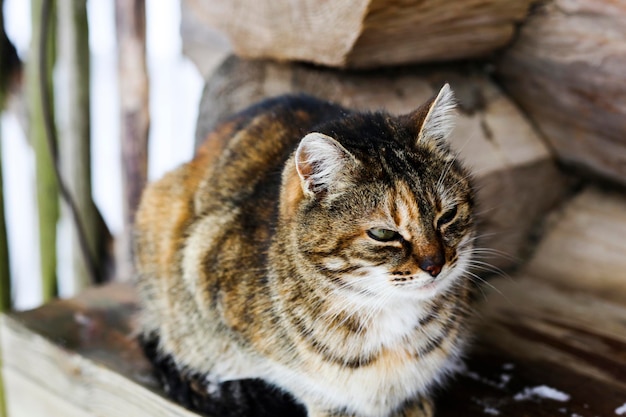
440	115
323	163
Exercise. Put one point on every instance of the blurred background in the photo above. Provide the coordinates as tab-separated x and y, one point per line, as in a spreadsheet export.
175	86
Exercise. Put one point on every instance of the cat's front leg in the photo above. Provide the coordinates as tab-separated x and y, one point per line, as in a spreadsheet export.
422	407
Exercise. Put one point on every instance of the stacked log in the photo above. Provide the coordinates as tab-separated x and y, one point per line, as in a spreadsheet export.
567	71
587	235
357	33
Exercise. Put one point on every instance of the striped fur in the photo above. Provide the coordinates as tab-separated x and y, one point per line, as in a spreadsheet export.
259	258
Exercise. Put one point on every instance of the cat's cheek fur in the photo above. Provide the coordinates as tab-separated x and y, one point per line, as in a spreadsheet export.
292	191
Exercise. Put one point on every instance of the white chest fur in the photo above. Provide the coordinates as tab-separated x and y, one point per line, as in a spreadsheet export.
377	388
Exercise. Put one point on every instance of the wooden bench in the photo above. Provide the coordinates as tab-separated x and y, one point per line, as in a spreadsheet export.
539	351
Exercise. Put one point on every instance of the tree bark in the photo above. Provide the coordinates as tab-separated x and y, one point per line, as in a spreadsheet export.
74	144
47	189
134	120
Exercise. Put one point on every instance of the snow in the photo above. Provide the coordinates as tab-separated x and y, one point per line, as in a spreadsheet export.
508	366
621	410
541	391
491	411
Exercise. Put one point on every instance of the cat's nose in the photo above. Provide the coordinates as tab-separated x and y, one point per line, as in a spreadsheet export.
432	264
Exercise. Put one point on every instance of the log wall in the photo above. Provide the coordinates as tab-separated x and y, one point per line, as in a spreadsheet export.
567	70
356	33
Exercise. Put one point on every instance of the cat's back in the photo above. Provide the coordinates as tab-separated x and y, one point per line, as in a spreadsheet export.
246	153
236	168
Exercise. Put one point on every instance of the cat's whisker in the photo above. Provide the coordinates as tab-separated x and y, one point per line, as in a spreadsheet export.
456	154
495	252
443	175
483	255
488	267
485	266
485	282
487	254
479	236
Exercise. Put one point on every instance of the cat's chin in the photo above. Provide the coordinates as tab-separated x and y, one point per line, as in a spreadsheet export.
428	289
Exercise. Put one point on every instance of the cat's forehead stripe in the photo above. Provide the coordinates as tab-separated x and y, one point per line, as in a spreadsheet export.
405	208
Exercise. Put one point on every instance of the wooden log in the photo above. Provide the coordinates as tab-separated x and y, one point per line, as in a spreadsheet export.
360	34
134	117
544	352
566	70
538	351
511	164
584	246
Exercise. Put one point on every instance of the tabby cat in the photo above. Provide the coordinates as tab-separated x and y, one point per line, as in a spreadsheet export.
310	260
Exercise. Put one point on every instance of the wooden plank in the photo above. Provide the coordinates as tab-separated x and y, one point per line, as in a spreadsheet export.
26	398
85	347
584	245
512	165
349	33
566	70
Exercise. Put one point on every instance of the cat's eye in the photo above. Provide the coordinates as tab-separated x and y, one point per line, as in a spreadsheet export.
383	235
447	217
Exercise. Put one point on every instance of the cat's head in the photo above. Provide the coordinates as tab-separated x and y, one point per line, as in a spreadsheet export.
379	204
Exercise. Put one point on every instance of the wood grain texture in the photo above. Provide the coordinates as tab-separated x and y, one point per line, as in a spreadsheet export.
566	70
79	358
511	164
584	245
360	34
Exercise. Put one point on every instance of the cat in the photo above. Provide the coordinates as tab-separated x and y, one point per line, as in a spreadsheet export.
313	256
